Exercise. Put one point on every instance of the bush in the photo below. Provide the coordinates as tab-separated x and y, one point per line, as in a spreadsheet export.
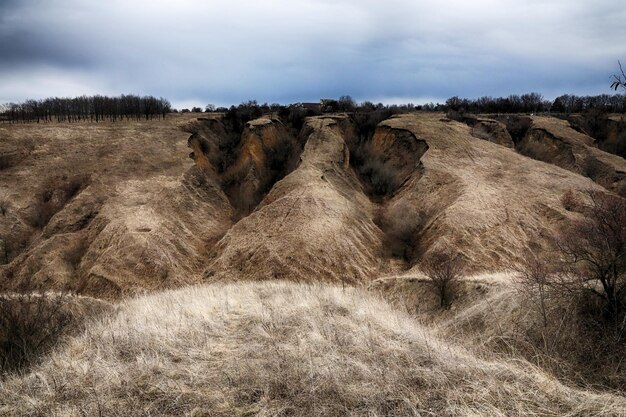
381	179
402	224
570	201
29	325
444	267
564	327
593	253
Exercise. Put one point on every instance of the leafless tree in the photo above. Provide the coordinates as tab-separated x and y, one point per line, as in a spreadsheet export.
444	267
594	252
619	79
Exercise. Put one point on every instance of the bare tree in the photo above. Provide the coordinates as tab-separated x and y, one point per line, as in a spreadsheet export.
444	267
620	79
594	252
536	278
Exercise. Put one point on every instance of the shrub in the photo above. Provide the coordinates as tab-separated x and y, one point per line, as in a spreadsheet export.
593	252
564	327
402	224
29	324
444	267
381	178
570	201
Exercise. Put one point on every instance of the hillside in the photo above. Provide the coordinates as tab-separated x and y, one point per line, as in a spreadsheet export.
266	203
482	198
280	348
105	208
264	270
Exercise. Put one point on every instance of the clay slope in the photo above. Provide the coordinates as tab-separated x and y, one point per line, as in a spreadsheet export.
553	140
481	198
316	224
107	209
134	214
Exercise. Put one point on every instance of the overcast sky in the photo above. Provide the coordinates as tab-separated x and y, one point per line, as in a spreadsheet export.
197	52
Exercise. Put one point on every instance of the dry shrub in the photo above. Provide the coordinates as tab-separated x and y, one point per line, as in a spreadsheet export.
570	201
593	251
444	267
380	178
29	325
275	349
402	223
578	294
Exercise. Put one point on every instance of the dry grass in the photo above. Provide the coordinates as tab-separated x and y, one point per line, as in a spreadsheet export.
146	216
501	314
485	200
272	349
31	323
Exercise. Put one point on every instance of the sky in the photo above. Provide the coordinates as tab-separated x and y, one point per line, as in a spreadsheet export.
197	52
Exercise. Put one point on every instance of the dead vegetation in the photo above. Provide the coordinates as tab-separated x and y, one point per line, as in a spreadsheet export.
343	211
277	348
402	224
32	323
444	268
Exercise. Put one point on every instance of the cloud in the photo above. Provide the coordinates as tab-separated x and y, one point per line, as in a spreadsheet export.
281	51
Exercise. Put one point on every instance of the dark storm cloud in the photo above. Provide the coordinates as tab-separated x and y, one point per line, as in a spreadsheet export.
280	50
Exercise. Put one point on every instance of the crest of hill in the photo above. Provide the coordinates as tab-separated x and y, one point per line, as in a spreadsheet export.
264	348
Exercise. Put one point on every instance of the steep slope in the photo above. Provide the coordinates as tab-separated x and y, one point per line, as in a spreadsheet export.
609	131
493	131
276	348
316	224
107	209
481	198
553	140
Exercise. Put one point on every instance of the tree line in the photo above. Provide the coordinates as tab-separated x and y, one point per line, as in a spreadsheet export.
535	103
85	108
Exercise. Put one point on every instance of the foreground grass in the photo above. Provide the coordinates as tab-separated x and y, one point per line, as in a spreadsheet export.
272	349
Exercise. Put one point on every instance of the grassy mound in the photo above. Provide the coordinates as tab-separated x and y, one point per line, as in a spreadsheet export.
279	349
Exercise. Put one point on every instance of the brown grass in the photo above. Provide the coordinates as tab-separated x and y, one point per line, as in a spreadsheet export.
272	349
